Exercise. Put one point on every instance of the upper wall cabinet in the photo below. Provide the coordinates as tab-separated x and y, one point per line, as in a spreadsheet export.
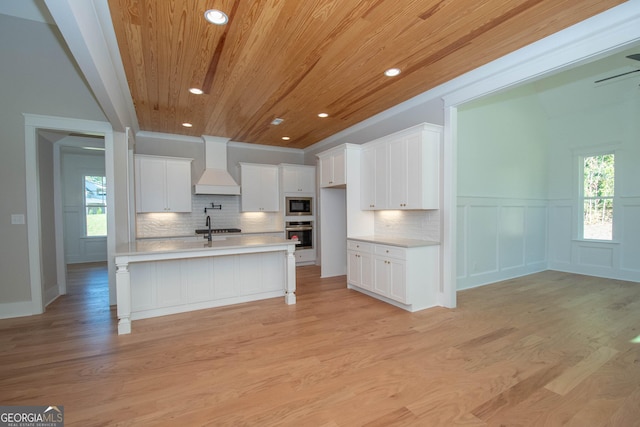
332	168
298	178
260	188
163	184
402	171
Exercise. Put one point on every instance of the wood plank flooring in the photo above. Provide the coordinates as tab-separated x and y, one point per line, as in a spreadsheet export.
548	349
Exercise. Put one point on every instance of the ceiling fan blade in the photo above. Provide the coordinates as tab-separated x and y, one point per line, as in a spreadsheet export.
635	56
617	75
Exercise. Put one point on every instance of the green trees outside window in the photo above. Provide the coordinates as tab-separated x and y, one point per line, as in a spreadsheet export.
95	204
598	191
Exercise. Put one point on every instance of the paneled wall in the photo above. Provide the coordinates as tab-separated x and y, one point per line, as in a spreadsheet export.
518	179
499	238
502	189
614	127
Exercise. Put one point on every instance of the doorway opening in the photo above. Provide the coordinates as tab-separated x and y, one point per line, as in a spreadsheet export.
50	215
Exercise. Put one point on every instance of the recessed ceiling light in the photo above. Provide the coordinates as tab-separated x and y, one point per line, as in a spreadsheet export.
392	72
196	91
323	115
216	16
187	125
286	138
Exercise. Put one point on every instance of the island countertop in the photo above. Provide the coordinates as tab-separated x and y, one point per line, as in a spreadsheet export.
218	243
174	276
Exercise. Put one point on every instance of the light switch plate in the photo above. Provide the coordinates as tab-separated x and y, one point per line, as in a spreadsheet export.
17	219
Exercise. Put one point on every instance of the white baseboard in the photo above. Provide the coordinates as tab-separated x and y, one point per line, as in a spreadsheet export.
16	309
498	276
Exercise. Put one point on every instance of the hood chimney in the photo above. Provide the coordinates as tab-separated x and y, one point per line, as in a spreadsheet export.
216	179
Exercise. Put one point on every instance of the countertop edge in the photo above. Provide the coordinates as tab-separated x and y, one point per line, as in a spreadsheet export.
393	241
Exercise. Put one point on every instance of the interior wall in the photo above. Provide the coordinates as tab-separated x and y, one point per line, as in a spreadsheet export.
613	126
502	188
47	221
38	77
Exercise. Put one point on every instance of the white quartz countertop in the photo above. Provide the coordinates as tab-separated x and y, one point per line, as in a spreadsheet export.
140	247
395	241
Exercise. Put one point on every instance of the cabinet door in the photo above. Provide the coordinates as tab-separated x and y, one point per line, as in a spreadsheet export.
290	180
397	276
381	279
307	179
259	188
178	183
298	179
270	189
251	193
150	185
366	271
339	168
354	268
367	179
326	171
398	174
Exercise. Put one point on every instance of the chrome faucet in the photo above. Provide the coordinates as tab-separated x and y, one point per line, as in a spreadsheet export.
208	224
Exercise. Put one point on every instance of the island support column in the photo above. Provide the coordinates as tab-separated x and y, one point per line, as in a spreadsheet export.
290	286
123	295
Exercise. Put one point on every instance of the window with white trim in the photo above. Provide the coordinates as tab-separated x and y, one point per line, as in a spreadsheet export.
596	192
95	205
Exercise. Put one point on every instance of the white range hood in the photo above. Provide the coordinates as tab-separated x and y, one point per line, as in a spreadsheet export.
216	179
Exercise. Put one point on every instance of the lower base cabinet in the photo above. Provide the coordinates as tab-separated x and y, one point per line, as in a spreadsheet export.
305	256
406	277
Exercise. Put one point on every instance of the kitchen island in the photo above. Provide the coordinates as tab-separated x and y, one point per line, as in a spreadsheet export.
160	277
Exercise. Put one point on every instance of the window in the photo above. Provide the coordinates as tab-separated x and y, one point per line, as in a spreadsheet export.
95	205
597	196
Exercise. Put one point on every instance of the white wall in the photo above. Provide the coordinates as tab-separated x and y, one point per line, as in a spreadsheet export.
502	188
614	126
38	77
518	181
49	270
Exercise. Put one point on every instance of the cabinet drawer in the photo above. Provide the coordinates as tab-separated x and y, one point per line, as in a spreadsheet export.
390	251
359	246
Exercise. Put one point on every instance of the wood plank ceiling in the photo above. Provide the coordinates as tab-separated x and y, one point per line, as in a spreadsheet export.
293	59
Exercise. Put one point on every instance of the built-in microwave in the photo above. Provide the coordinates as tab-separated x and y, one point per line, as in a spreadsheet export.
299	206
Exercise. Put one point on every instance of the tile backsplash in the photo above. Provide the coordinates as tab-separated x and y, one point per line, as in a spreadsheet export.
421	225
184	224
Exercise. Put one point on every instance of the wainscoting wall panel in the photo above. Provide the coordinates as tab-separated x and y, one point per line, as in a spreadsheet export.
617	259
499	239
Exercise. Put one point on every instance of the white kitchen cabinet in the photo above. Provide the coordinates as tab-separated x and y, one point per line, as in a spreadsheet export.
389	272
359	264
401	171
332	168
163	184
260	188
298	178
375	177
406	277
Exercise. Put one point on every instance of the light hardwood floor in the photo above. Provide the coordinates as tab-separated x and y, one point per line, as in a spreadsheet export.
548	349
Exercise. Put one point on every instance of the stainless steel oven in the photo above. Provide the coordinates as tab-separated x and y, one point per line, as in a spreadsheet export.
301	231
296	206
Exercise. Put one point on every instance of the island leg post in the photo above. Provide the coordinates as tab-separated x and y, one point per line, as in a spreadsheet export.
290	286
123	296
